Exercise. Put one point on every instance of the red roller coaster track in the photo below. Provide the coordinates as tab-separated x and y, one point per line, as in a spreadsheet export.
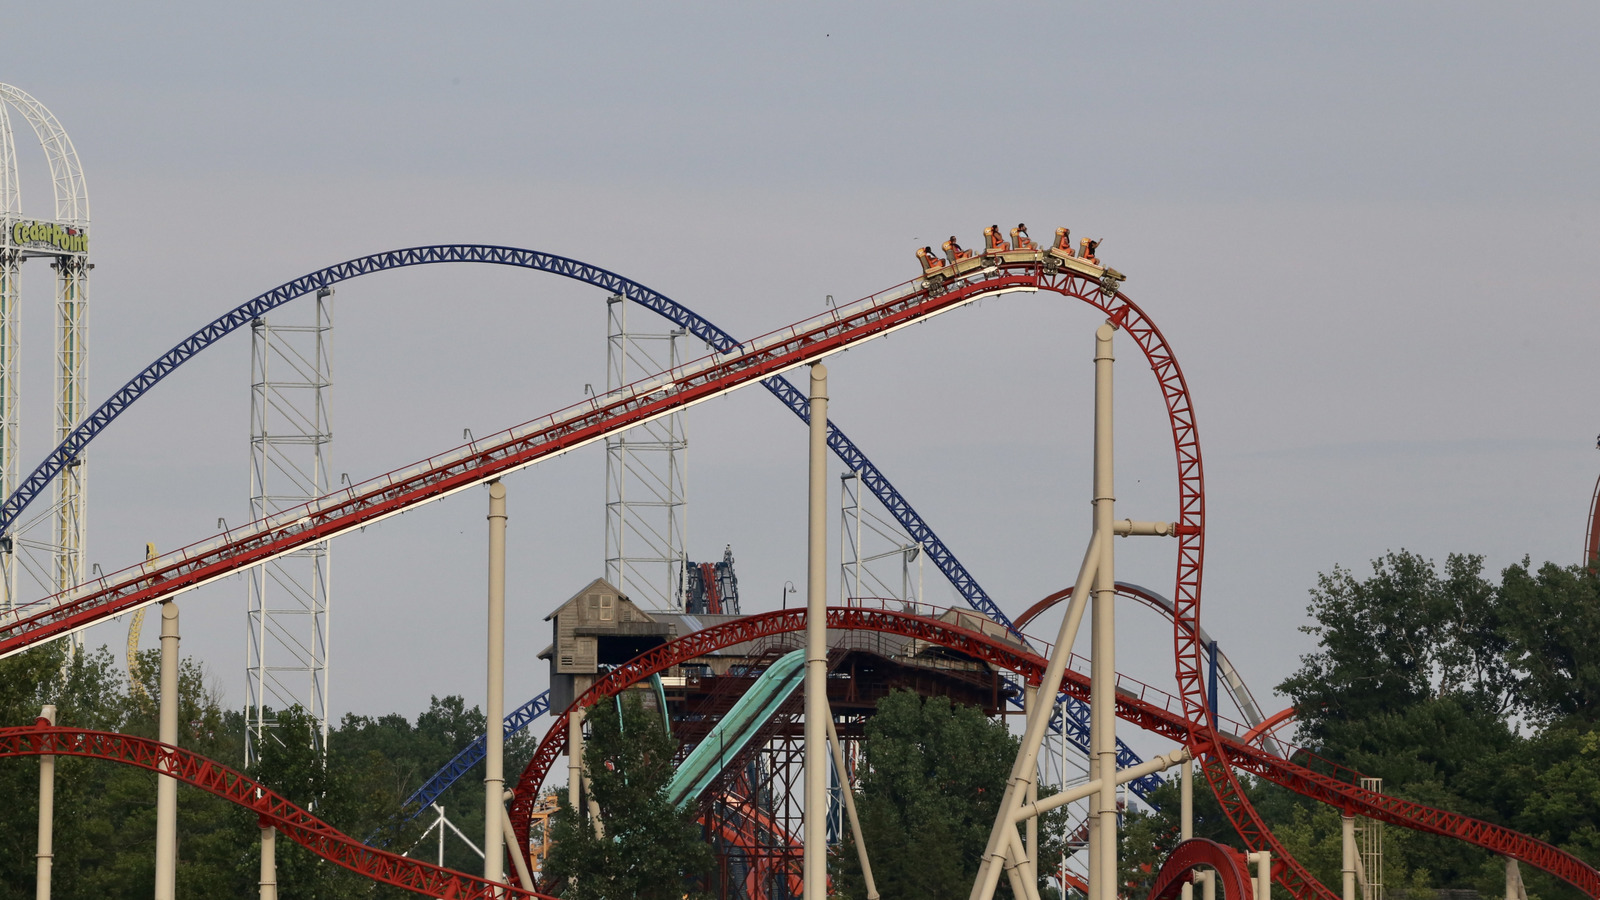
300	826
692	383
1591	540
1150	709
1198	853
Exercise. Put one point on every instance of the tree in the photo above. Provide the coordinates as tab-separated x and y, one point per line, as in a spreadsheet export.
1402	637
650	849
935	775
1553	618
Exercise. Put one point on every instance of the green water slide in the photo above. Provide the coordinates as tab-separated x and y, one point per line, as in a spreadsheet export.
741	723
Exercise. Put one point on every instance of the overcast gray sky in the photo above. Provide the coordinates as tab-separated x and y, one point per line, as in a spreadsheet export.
1367	230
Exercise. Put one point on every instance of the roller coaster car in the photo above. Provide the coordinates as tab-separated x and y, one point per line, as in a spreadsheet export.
1084	263
997	251
1020	250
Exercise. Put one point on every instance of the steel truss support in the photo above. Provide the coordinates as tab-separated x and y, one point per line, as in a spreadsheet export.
877	558
10	347
647	477
72	402
290	599
58	557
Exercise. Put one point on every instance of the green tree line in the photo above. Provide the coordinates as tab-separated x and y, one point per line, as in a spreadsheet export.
105	811
1472	694
1462	691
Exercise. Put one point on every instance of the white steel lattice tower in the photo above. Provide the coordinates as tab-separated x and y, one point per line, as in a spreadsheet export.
55	561
10	264
1371	861
876	556
647	487
289	598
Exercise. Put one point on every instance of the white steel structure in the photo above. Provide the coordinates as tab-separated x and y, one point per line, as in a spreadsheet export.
56	559
1370	866
647	475
876	556
289	598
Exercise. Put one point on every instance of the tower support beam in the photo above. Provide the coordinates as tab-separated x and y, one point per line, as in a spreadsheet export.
814	825
45	858
647	479
1102	662
166	785
494	778
290	600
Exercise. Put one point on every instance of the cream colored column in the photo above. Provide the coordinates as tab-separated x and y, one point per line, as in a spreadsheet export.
1024	769
1263	879
1030	698
494	779
1103	659
1347	830
269	863
816	732
1186	814
45	858
575	760
166	785
574	768
518	854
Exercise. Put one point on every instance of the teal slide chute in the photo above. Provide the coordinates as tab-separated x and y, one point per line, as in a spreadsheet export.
742	722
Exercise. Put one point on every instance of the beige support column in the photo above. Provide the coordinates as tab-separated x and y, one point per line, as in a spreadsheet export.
1026	766
494	779
519	854
850	810
166	785
814	824
594	808
574	768
1186	814
269	863
1025	769
1347	829
575	760
1103	660
1030	837
1515	890
45	858
1208	884
1263	879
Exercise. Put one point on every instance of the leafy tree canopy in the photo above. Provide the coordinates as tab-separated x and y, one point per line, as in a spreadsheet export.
1462	693
644	847
935	774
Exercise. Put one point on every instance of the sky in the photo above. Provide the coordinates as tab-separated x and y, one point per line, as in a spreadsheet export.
1366	230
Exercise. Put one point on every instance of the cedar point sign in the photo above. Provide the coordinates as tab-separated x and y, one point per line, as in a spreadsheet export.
49	238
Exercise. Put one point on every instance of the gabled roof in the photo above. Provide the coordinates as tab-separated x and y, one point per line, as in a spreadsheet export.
598	583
